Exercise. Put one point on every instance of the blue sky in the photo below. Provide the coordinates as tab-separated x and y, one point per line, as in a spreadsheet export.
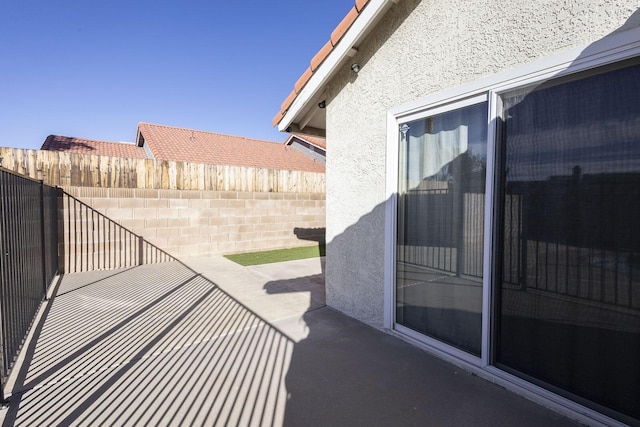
94	69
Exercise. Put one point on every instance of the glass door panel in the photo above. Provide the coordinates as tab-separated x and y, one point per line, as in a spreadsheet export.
440	228
568	302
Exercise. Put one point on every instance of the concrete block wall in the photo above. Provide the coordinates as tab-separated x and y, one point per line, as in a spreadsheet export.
203	223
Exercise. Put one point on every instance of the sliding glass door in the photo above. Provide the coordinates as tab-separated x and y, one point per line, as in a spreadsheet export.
564	288
568	298
440	235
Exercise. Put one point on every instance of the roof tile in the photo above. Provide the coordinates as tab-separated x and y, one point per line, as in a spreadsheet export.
344	25
321	55
94	147
304	78
190	145
360	4
287	102
277	118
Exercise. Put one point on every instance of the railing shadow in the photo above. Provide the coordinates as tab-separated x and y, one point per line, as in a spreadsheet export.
75	282
92	241
155	344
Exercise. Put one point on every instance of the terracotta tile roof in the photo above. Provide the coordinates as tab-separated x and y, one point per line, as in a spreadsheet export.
190	145
92	146
319	57
315	140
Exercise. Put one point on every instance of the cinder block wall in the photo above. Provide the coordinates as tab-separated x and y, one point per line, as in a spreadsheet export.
202	223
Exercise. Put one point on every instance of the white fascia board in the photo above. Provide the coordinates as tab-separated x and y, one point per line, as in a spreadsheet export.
361	26
317	146
309	142
290	139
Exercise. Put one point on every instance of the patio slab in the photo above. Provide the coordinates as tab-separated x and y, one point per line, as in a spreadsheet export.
284	290
219	344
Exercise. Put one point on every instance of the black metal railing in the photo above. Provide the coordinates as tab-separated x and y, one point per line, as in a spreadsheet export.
446	230
92	241
29	251
588	270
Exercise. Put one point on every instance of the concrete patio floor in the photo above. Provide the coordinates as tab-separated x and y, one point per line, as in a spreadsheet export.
220	344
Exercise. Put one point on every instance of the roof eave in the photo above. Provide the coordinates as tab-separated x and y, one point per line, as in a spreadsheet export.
289	140
367	19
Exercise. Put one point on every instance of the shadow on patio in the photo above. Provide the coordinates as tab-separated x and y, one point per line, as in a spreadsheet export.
156	344
164	345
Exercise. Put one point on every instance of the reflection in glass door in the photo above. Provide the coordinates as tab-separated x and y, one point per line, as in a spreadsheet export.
568	302
440	228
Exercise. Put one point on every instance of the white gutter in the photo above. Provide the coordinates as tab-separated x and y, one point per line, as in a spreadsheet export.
358	30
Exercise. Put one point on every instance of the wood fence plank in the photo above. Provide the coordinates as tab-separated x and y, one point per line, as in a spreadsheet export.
172	179
157	175
149	166
141	173
19	162
31	169
164	179
103	172
179	173
194	177
82	170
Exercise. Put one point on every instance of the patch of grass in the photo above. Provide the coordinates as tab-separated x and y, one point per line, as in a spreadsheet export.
279	255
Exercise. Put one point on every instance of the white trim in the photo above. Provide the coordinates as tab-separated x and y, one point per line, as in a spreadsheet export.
289	141
444	107
363	23
391	224
437	345
390	221
487	271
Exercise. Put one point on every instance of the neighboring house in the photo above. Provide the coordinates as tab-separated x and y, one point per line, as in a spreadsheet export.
92	146
188	145
311	145
483	188
170	143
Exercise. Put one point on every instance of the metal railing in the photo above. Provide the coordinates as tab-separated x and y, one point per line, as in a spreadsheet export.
92	241
535	259
446	230
33	252
29	251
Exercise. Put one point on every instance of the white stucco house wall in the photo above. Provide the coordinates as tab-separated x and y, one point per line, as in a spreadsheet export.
480	188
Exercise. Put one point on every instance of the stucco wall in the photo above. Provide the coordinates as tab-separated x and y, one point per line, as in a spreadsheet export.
421	47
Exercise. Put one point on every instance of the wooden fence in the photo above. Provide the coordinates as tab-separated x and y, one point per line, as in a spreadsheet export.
83	170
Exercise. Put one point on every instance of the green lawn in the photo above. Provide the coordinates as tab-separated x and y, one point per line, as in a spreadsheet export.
278	255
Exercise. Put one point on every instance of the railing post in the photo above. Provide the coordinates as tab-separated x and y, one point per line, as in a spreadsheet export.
140	250
2	283
43	245
62	252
